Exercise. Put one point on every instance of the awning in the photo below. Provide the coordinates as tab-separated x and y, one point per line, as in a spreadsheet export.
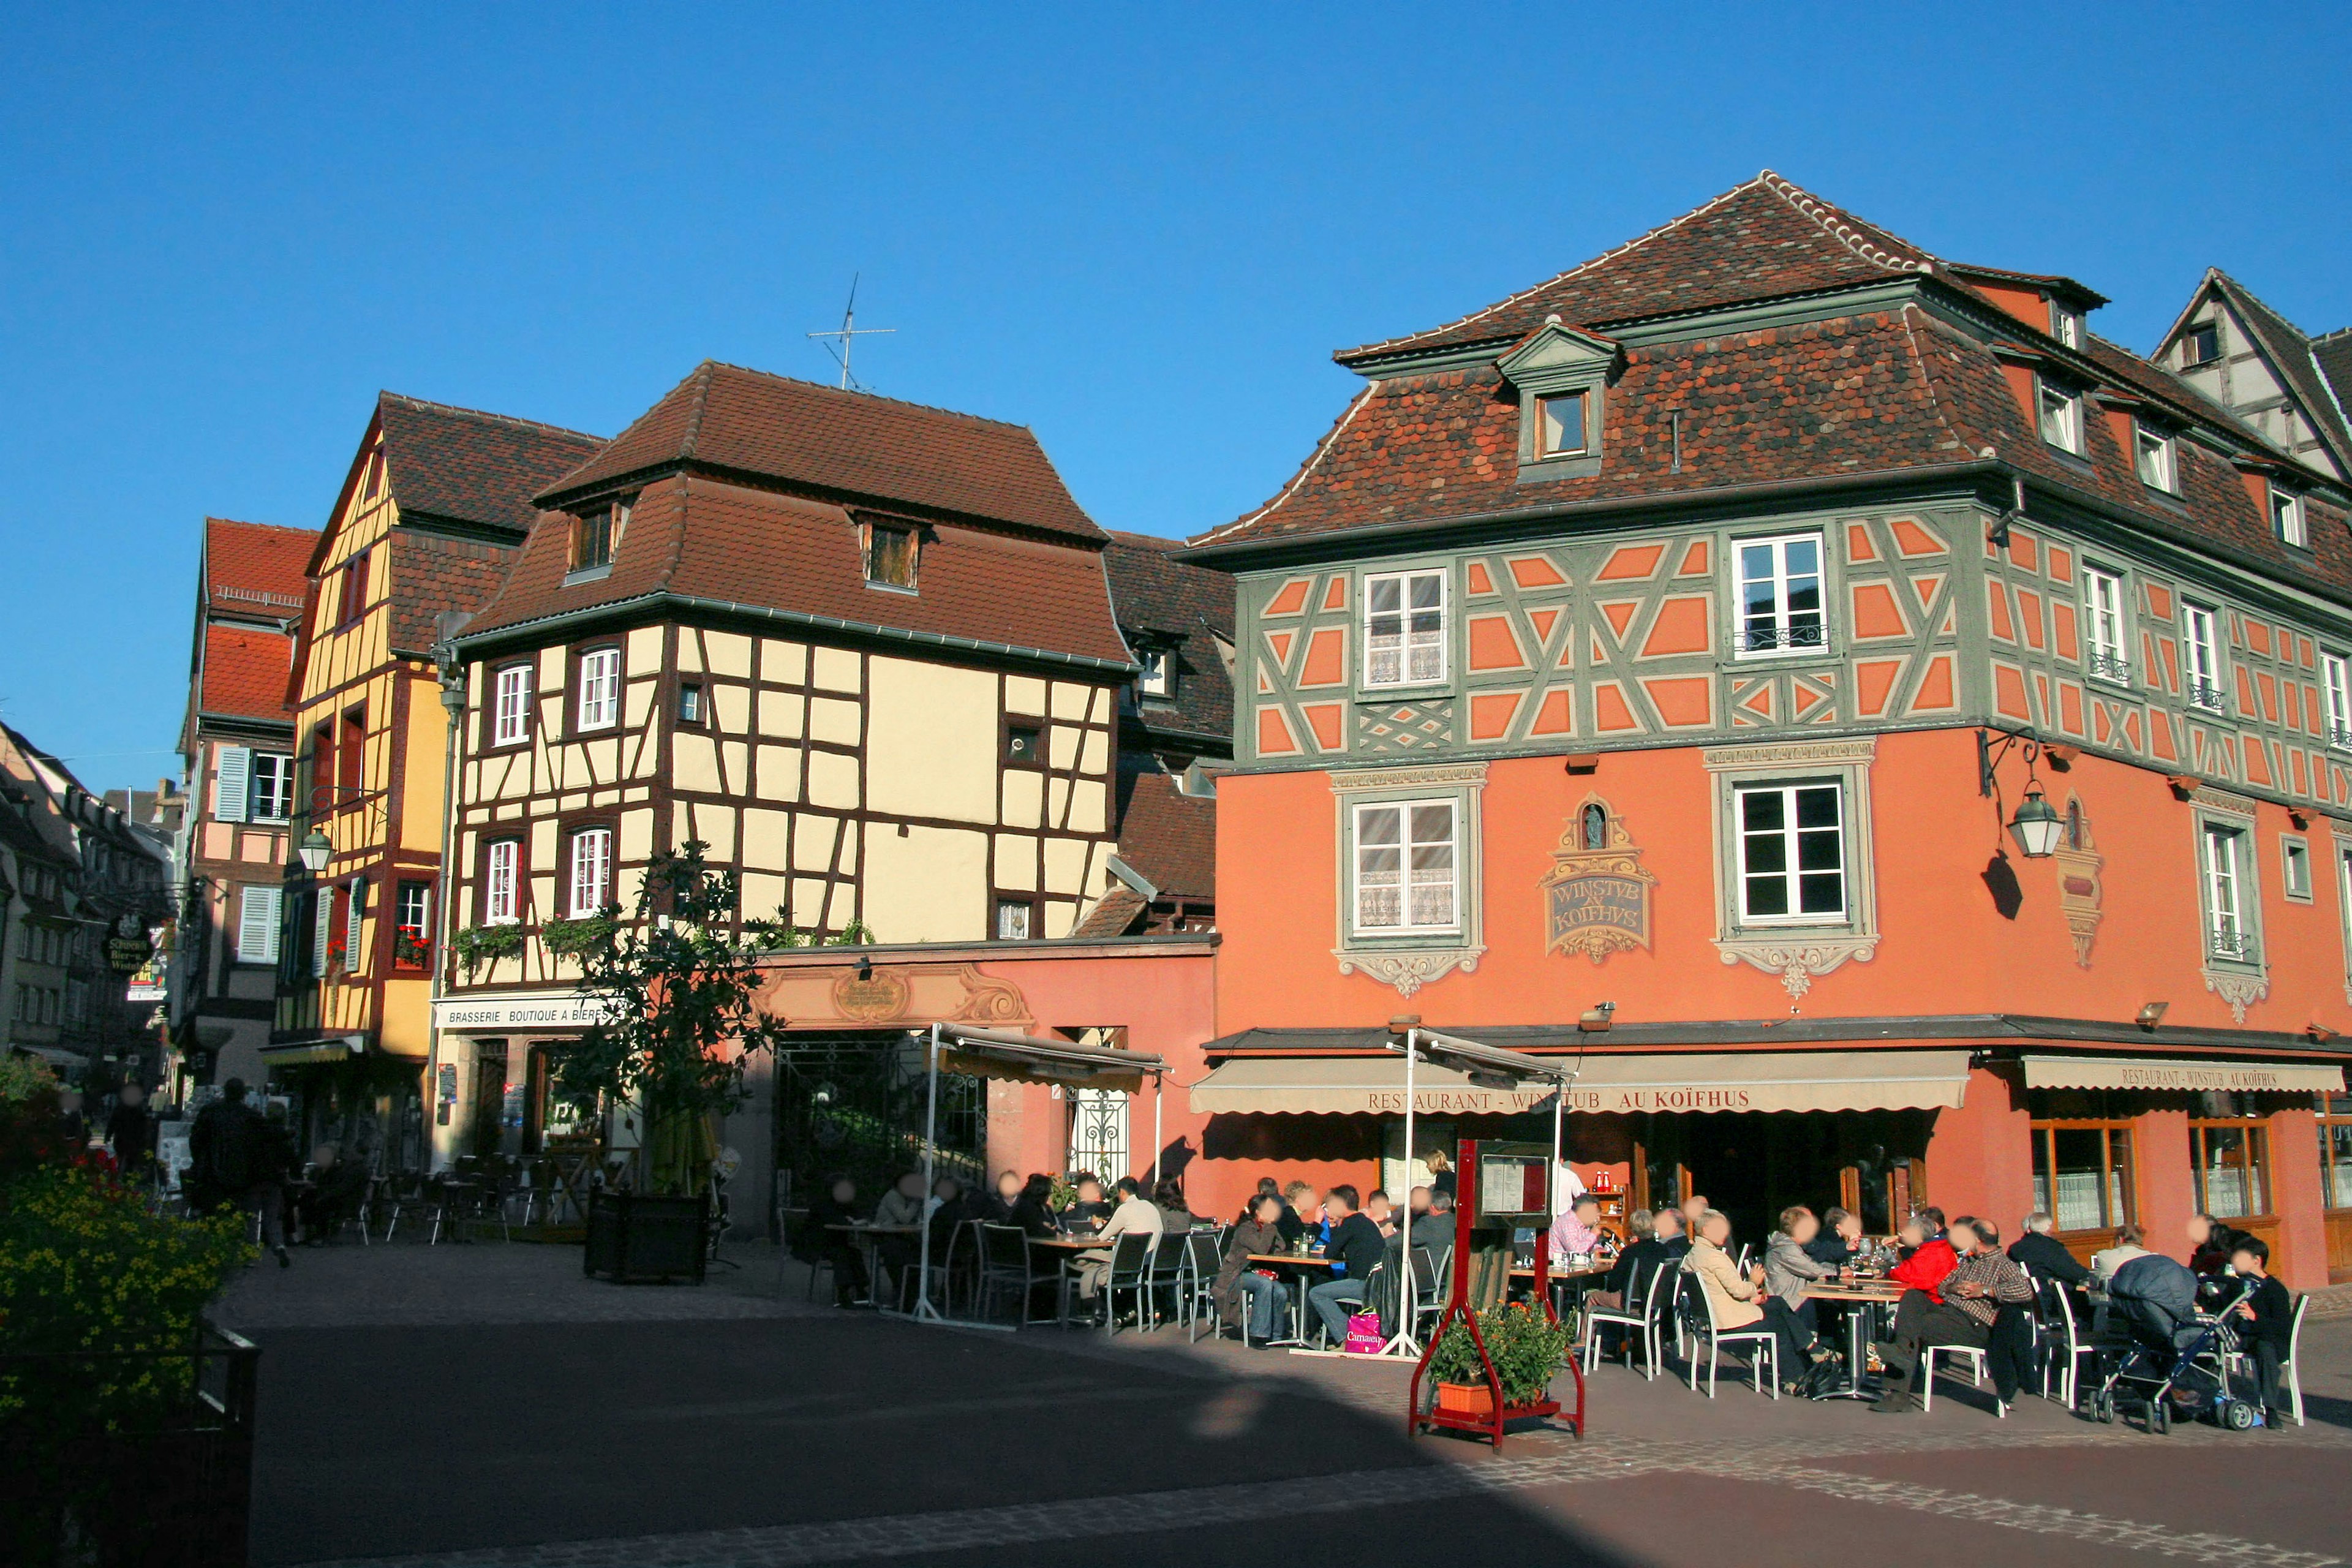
1026	1059
1749	1080
311	1053
2176	1073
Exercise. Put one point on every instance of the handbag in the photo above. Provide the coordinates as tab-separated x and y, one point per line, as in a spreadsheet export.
1364	1335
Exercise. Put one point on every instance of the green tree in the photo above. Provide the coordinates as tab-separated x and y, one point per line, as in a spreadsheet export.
676	987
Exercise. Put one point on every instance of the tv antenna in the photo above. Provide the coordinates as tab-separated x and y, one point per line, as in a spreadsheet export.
849	332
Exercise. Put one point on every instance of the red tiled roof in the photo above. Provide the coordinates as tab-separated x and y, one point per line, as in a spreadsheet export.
1184	604
730	545
1760	240
433	575
467	466
244	674
255	568
1168	836
843	445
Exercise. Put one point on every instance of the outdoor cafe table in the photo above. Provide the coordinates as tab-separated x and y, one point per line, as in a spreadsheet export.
1584	1276
868	1236
1302	1262
1864	1296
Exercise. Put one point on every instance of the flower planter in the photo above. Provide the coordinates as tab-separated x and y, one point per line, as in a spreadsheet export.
1473	1399
637	1238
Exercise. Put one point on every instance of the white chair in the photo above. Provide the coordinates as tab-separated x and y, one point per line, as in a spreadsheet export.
1430	1277
1975	1358
2290	1377
1761	1344
1634	1316
2063	1349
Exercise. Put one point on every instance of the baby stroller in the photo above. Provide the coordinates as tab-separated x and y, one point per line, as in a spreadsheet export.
2170	1366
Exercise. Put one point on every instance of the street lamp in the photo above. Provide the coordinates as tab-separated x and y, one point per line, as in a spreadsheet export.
316	849
2036	825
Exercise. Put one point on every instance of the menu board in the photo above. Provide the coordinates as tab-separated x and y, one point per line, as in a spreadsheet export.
1511	1185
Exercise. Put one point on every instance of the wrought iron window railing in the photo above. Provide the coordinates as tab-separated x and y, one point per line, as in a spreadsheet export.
2339	735
2107	665
2231	945
2206	695
1761	639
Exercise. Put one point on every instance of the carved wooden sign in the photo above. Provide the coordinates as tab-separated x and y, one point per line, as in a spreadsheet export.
1597	895
899	995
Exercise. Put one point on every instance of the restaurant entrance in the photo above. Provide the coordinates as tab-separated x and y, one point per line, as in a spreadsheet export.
853	1102
1752	1164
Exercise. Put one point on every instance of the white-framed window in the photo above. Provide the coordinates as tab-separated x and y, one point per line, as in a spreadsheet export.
2286	518
273	786
510	704
1159	677
2060	416
2159	467
1407	870
501	884
1404	629
2337	676
2228	933
1781	596
260	907
1016	920
600	687
1561	429
2108	657
2294	868
2066	325
413	913
890	556
1791	853
592	871
2200	656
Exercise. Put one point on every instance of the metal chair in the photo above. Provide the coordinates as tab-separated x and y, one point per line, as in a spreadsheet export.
1203	1262
1634	1316
1762	1345
1974	1357
1003	1266
413	1191
1429	1277
1168	1275
2062	1348
1130	1271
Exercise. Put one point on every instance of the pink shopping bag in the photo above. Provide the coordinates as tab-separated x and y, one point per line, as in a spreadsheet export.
1364	1335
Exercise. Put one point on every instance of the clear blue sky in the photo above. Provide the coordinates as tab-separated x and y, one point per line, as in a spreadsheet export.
1140	231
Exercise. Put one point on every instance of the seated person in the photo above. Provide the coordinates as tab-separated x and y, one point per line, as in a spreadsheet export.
1575	1235
1088	1208
2211	1244
1416	1202
2266	1326
1380	1212
1645	1261
2108	1259
1927	1254
949	1206
1840	1240
1307	1215
836	1205
1741	1301
2047	1257
1243	1295
1129	1216
1033	1210
1267	1187
1789	1265
1432	1228
900	1208
337	1187
1007	1193
1175	1214
1355	1247
1667	1229
1694	1208
1960	1309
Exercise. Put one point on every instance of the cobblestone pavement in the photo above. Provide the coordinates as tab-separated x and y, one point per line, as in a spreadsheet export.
793	1435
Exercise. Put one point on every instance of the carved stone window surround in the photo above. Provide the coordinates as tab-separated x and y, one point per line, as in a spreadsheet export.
1797	954
1410	961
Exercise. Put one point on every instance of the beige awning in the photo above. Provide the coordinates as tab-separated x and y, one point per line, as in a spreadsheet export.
2178	1073
1027	1059
1750	1080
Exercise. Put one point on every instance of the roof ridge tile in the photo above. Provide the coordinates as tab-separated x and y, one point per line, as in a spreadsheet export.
869	396
428	404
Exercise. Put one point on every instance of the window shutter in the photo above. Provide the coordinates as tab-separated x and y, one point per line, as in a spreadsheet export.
323	923
233	784
257	926
357	912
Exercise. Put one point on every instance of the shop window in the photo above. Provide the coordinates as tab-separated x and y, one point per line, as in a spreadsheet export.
1404	629
2335	1154
2232	1160
511	721
2200	656
1780	597
2082	1174
600	689
2108	657
1405	866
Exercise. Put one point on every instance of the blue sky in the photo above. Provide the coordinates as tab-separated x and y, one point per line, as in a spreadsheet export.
1140	232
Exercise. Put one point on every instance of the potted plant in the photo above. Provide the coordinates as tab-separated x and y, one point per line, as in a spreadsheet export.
675	988
1526	1347
478	945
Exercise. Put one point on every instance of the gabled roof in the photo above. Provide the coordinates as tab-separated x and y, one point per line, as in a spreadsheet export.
1168	836
244	671
463	465
1760	240
255	569
2317	396
1184	607
838	445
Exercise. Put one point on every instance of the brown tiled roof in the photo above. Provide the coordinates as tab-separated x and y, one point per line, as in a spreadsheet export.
731	546
1115	913
1187	606
468	467
255	569
1168	836
840	445
434	574
244	673
1760	240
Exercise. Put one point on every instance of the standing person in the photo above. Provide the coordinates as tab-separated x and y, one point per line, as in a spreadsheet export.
2269	1316
274	1161
220	1150
1440	1174
132	1130
1356	1245
1567	1186
1243	1296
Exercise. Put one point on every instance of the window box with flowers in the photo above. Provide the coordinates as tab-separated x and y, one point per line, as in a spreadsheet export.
476	947
411	950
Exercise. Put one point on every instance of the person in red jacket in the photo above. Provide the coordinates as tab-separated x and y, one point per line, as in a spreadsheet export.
1928	1258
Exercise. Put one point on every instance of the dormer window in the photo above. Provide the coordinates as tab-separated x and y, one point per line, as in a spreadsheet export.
2286	519
1159	677
1563	433
2066	325
890	552
2159	462
2061	414
593	536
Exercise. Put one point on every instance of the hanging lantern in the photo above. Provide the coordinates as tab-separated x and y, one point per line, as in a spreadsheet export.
2036	826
